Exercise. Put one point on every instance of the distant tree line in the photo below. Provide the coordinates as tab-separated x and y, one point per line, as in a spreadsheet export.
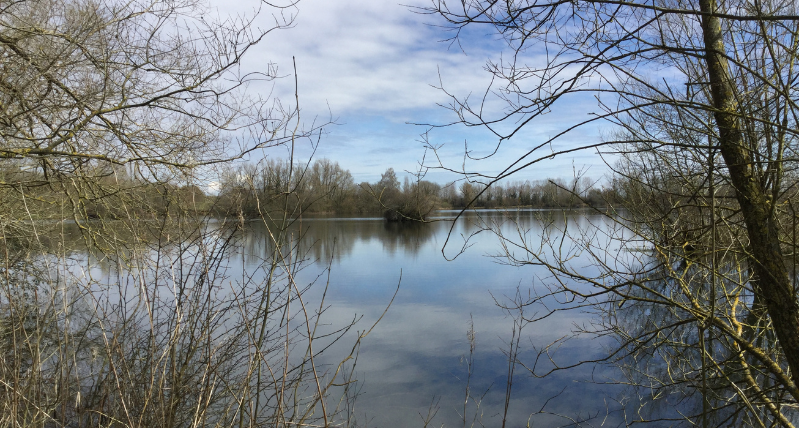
323	186
549	193
251	190
113	193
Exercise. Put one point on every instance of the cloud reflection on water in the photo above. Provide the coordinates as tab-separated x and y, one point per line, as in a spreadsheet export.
414	357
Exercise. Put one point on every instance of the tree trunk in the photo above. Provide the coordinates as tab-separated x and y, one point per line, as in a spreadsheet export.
770	276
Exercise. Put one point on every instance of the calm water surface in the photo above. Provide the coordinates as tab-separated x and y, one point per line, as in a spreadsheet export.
412	364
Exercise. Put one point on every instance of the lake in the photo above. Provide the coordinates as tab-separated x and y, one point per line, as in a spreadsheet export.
444	336
489	320
414	363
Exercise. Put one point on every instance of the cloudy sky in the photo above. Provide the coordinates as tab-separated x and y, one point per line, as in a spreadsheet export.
372	66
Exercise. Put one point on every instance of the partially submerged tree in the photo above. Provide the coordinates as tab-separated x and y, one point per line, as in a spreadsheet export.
701	97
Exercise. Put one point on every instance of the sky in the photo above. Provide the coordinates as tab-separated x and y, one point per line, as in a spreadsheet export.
372	67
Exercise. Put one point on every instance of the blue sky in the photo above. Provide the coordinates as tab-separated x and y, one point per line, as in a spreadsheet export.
371	67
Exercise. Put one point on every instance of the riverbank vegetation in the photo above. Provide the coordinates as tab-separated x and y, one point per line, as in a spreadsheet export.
126	311
251	191
322	186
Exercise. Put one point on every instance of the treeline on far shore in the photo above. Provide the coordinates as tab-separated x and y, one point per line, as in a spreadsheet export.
108	192
275	185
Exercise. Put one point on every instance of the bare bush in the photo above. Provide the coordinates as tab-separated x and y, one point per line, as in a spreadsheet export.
699	285
122	303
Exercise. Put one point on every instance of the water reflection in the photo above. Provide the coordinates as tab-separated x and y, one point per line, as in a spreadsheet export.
414	359
322	239
412	365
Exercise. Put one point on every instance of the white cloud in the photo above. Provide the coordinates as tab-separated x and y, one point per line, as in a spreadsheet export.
370	64
372	56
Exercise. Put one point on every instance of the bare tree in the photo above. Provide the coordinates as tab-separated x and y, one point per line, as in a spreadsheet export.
701	99
114	114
